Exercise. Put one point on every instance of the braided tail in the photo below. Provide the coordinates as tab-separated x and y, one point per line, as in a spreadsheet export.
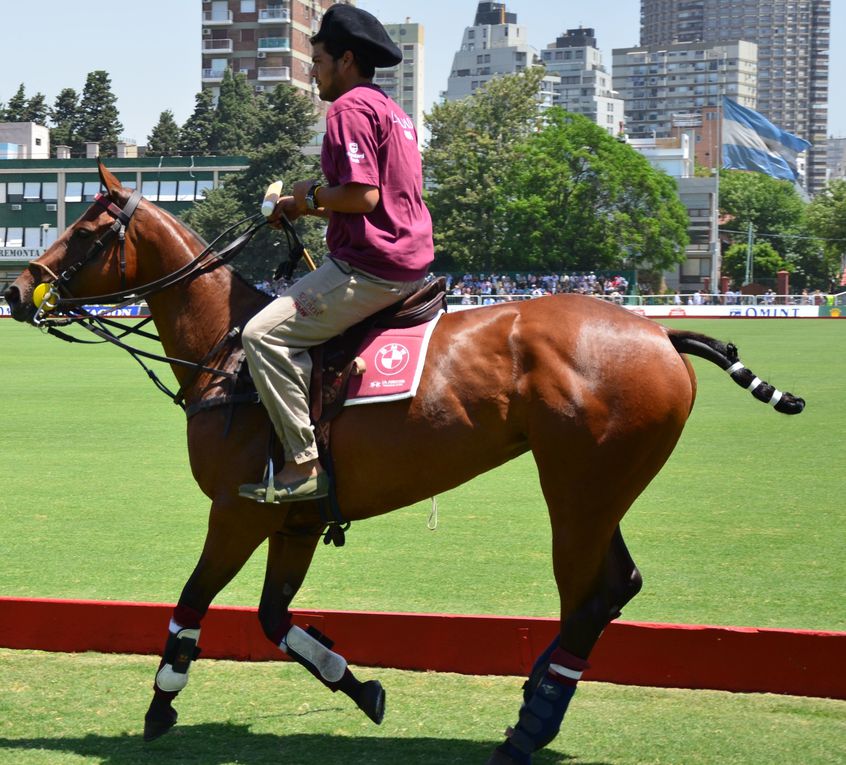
724	355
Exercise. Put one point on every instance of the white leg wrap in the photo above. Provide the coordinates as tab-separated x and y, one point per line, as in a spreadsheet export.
169	679
330	664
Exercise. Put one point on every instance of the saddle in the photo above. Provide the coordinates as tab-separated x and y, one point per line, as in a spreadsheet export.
334	361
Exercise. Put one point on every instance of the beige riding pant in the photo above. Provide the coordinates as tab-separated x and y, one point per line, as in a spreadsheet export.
322	304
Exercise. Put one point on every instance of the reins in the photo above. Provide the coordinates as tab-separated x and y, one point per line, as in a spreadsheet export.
59	296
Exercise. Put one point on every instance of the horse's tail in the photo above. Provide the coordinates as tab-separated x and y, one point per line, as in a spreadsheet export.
724	355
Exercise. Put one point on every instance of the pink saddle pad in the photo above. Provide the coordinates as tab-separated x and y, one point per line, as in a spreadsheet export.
394	363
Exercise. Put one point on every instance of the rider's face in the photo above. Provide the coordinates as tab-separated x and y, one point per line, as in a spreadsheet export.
325	72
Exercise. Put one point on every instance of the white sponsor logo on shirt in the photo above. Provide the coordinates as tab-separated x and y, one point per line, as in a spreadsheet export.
354	154
406	124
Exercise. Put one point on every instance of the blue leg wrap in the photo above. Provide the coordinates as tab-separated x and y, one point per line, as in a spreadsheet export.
540	720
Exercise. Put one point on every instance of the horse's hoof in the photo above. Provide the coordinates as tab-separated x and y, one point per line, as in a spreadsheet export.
371	700
158	721
501	758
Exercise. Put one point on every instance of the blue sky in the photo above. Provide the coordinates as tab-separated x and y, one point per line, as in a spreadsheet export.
151	49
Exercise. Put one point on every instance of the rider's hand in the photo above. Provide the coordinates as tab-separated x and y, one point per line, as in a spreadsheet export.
286	205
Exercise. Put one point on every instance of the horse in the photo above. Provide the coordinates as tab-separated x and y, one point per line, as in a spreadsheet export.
589	388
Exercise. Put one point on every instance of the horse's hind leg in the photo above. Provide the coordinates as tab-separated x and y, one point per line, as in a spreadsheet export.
230	541
288	560
595	577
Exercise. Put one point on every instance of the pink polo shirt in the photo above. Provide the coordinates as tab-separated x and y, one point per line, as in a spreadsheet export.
370	139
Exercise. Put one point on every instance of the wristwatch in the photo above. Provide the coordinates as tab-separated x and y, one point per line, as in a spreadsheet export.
310	201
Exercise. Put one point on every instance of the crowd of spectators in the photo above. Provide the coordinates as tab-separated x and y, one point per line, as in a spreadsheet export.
496	287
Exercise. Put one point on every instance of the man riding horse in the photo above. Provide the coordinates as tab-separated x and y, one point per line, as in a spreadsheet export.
379	236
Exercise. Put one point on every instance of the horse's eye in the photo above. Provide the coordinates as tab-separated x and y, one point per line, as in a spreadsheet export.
82	233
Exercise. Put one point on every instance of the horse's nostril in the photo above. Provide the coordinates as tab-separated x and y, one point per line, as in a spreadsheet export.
12	295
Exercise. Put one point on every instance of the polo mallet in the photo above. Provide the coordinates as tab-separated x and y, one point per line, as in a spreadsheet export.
271	198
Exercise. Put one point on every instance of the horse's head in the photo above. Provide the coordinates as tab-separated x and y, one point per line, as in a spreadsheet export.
88	259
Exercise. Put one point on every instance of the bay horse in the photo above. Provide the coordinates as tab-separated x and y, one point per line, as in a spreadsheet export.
589	388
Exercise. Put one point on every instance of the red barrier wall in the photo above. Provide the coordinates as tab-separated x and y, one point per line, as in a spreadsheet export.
797	662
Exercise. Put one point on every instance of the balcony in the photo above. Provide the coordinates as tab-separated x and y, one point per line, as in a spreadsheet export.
217	18
217	46
274	74
213	75
274	16
273	45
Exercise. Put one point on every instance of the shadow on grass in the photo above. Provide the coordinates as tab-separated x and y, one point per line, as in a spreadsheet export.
219	743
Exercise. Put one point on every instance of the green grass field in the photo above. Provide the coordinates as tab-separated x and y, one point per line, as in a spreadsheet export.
743	526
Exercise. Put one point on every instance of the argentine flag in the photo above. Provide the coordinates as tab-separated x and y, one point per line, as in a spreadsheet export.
752	142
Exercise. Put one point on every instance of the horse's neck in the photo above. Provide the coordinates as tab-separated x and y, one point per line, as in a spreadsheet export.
191	318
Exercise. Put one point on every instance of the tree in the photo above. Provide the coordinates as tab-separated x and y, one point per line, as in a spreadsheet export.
196	134
575	198
283	121
778	215
164	140
16	108
766	262
472	145
236	116
36	110
97	116
64	116
826	218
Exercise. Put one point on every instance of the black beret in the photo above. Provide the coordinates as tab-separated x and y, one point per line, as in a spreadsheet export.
347	24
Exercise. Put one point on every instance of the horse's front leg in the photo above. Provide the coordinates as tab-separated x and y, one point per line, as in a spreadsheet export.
231	539
288	559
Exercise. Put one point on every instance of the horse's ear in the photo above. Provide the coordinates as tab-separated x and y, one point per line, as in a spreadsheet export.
108	181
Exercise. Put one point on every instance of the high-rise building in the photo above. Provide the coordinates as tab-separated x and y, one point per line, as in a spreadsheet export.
266	40
404	82
583	85
836	159
793	38
665	85
495	45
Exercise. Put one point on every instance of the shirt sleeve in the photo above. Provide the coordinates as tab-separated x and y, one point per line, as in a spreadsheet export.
352	144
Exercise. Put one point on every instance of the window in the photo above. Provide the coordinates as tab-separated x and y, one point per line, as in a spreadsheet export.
90	189
203	186
32	237
15	192
185	191
248	6
49	191
167	191
14	236
49	235
73	191
32	191
150	190
2	196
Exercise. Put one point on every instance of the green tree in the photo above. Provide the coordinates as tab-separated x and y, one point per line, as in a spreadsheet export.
196	134
16	108
36	110
164	140
283	121
97	116
766	261
63	117
473	144
236	117
826	218
576	198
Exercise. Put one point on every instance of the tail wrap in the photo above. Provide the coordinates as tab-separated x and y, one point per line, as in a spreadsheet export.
724	355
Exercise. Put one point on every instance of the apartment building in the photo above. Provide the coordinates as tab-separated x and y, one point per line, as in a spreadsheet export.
584	86
793	39
495	45
664	85
265	40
